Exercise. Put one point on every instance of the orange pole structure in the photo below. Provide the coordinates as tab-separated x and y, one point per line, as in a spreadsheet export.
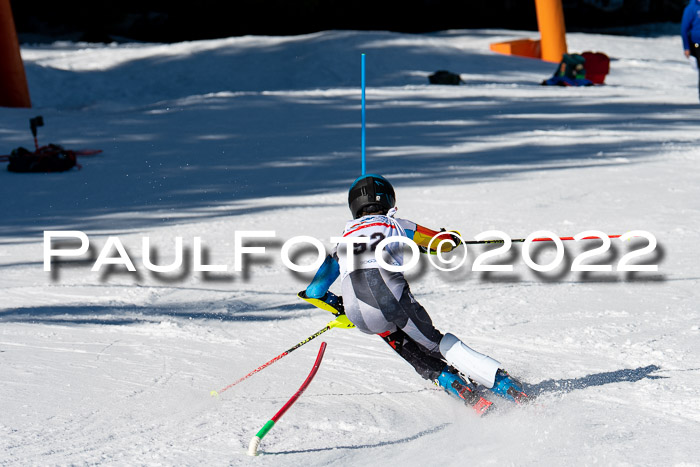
14	91
550	20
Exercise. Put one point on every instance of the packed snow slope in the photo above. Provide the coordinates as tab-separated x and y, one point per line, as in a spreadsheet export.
205	139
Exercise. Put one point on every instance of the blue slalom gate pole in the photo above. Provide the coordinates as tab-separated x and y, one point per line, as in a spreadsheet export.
363	115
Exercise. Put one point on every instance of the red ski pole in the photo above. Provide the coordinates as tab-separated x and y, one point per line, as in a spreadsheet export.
542	239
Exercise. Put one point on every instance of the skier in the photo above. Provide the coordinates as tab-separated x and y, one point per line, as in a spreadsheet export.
379	301
690	31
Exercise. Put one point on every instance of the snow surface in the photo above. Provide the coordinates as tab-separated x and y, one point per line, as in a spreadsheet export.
202	139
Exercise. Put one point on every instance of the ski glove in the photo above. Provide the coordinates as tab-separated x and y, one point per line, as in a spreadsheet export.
445	238
454	236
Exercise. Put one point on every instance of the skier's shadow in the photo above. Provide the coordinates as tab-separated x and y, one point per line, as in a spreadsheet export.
407	439
548	386
598	379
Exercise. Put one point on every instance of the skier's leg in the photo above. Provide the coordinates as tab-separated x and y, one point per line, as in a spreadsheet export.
393	297
428	366
419	327
415	322
372	307
697	58
695	52
436	370
377	301
362	308
481	368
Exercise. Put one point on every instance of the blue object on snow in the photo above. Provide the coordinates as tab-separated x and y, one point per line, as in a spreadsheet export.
565	81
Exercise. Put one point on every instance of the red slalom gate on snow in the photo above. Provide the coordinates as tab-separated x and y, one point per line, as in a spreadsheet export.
255	440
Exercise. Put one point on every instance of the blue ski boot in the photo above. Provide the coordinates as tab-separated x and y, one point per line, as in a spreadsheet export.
507	387
454	385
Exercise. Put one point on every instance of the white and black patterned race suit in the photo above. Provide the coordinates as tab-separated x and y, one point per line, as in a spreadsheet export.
379	301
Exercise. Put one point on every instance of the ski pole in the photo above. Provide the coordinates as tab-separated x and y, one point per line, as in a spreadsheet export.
255	440
513	240
543	239
340	322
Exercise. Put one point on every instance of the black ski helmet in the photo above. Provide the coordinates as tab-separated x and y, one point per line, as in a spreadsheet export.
369	190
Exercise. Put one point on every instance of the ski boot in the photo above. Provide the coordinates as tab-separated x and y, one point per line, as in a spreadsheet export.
507	387
454	385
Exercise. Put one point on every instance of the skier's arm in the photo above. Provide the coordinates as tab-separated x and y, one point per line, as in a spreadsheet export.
325	276
317	292
423	236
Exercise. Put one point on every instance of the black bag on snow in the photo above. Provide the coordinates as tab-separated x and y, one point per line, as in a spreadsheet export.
51	158
445	77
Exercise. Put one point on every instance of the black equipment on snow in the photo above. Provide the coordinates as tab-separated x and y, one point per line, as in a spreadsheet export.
370	190
50	158
445	77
